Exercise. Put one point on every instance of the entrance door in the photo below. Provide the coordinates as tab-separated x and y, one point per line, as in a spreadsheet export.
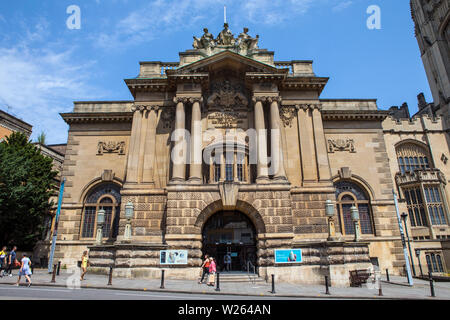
230	232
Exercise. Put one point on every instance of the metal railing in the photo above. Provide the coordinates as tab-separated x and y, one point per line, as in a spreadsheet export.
250	265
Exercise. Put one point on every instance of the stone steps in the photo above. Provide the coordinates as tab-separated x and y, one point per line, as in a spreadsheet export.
252	278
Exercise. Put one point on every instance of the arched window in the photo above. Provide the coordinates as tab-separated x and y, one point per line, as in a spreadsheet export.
106	197
412	157
228	162
349	194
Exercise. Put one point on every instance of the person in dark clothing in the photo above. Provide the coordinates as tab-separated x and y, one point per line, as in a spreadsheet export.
11	259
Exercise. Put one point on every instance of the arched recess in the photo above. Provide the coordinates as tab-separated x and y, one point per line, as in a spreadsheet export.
241	206
106	196
350	193
413	155
359	181
95	182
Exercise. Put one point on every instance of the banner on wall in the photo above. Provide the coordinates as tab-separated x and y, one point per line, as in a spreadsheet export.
173	257
288	256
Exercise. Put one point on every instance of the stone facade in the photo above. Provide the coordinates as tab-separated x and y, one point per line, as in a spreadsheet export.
279	154
432	29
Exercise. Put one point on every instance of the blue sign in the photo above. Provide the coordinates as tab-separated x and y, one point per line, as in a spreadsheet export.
288	256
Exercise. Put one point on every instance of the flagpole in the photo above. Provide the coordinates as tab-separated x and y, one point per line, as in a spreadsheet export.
55	229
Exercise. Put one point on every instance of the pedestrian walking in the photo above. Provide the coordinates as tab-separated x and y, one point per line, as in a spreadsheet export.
227	261
12	261
212	272
25	270
3	255
205	269
84	264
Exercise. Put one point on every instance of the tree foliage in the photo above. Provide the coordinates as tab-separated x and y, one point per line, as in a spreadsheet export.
26	184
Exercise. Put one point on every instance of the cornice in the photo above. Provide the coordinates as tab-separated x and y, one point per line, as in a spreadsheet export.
97	117
377	115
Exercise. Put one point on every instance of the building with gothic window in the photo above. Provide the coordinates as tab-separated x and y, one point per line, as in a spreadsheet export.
231	151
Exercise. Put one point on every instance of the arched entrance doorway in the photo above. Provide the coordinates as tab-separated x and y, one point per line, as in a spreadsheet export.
233	233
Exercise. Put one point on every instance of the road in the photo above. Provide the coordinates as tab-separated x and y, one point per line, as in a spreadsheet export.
9	292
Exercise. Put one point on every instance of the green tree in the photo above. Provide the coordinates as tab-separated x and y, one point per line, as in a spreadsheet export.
26	185
41	138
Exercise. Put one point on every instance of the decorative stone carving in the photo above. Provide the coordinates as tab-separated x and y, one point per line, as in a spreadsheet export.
246	42
341	145
287	114
444	159
268	99
186	100
111	147
310	106
345	173
229	193
227	96
168	118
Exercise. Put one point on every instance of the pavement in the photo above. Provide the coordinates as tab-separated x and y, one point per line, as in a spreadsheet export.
396	289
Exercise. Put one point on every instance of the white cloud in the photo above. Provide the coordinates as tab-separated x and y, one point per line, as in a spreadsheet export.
342	6
160	17
39	83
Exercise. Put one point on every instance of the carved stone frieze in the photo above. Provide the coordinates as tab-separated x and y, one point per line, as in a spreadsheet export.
168	117
186	100
341	145
144	107
111	147
268	99
227	95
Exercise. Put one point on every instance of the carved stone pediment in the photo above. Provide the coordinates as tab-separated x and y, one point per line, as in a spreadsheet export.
111	147
341	145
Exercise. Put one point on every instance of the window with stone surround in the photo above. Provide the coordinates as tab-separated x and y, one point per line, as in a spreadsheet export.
434	262
349	194
434	205
412	157
415	206
106	197
228	163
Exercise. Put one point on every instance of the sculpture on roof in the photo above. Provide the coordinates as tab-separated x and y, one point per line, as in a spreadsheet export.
243	44
246	42
205	42
225	37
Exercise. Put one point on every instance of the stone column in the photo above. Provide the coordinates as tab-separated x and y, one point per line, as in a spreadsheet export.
223	164
276	145
307	150
196	143
143	136
321	147
133	150
261	138
150	145
179	156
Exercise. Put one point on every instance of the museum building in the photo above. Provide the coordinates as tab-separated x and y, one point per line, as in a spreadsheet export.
231	152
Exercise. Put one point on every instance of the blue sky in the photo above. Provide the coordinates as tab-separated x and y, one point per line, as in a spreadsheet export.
44	66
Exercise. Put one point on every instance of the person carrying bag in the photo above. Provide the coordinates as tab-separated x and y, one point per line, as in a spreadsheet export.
212	272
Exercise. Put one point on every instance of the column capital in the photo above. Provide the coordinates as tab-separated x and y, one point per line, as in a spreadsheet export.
308	106
186	100
269	99
145	107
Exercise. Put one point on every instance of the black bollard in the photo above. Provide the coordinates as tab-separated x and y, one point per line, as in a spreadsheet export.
327	289
433	294
54	274
273	284
162	279
110	276
218	282
387	275
59	268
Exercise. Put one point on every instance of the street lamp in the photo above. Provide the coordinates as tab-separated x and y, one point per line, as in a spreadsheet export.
329	210
355	218
418	258
100	222
404	217
129	213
